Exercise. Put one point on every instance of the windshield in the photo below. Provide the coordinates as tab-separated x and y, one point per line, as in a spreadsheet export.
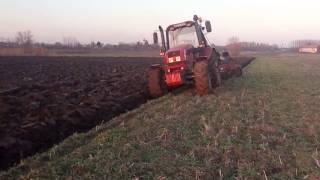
185	35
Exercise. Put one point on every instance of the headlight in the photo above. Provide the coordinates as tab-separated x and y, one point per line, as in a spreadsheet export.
171	60
178	58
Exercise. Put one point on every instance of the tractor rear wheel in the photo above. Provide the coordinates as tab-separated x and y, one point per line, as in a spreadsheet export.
156	82
202	77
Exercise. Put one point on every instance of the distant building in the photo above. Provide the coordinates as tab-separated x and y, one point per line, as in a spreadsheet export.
310	49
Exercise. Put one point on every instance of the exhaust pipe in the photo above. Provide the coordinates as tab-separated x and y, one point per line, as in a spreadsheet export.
163	39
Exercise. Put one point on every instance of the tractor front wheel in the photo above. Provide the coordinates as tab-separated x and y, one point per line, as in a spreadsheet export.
202	77
156	82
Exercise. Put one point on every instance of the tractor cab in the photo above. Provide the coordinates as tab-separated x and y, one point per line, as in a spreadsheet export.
182	34
188	33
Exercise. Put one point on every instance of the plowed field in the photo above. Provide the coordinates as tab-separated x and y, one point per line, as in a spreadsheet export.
45	99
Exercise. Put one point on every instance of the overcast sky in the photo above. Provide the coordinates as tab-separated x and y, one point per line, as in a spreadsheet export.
113	21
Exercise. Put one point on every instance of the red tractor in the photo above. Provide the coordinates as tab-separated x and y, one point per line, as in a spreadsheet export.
188	58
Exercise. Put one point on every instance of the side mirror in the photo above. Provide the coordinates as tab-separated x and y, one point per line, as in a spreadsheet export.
155	38
208	26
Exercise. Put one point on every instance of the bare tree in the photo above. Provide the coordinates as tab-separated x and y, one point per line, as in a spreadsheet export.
93	45
233	40
71	42
145	42
24	38
99	44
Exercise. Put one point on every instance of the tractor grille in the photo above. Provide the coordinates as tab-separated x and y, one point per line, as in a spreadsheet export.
175	69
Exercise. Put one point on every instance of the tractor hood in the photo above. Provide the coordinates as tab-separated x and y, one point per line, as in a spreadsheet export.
177	54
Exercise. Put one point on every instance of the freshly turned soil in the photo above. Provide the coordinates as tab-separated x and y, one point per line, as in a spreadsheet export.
43	100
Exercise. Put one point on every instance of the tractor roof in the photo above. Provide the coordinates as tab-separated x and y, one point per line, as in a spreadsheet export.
180	25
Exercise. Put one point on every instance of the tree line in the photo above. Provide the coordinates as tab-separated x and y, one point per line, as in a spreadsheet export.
235	46
25	39
304	43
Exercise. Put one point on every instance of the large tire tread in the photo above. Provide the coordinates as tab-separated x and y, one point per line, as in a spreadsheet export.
202	79
156	83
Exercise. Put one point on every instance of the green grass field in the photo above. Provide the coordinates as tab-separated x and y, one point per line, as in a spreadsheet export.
264	125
